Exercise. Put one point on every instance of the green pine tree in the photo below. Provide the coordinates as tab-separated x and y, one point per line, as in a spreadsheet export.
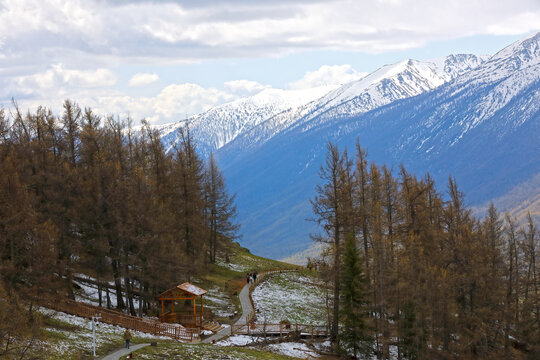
354	333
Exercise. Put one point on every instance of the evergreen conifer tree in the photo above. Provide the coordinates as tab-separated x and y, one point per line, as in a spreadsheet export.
354	334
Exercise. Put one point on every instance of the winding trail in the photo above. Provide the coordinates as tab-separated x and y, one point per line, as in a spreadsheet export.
122	352
247	308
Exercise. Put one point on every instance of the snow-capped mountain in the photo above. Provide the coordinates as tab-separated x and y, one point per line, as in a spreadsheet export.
383	86
481	126
257	118
222	124
393	82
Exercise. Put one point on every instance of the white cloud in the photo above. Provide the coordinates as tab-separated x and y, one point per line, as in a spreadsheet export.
516	24
172	103
176	101
327	75
245	87
182	100
47	30
54	49
86	78
141	79
59	79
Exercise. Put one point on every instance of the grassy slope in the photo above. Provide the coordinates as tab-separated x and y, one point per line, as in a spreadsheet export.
290	296
226	279
170	349
69	337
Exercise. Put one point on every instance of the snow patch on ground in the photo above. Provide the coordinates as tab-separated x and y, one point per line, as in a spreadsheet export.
78	338
239	340
219	302
234	267
289	296
293	349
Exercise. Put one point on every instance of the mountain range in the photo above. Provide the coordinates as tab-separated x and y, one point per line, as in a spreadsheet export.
476	118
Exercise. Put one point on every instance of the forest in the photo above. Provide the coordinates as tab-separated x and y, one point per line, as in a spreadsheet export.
84	194
414	275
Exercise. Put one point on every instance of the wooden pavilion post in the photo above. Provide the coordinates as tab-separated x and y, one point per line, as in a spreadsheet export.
202	308
194	312
162	311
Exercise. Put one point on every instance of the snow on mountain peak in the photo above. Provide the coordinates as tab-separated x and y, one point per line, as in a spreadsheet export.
404	79
526	50
272	110
287	98
520	55
222	124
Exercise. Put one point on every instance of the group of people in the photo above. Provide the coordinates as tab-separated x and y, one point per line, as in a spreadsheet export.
251	277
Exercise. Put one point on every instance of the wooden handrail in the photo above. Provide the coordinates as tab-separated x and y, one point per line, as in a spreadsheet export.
117	318
313	330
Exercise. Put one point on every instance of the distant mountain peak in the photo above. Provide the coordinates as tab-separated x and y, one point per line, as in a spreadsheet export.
259	117
472	117
519	55
222	124
526	49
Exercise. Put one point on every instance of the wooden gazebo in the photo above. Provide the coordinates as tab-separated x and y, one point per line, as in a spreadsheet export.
185	291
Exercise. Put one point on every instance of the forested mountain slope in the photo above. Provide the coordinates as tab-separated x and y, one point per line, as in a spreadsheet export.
482	128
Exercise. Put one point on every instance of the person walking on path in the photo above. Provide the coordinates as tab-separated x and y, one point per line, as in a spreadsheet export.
255	276
127	337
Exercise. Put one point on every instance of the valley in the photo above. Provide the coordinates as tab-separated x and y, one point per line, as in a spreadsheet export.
472	117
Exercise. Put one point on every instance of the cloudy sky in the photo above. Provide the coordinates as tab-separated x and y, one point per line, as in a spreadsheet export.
164	60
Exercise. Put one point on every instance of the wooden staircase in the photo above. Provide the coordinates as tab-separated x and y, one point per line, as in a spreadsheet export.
213	326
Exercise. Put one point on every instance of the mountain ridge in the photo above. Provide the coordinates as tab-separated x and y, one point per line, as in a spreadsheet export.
254	120
462	135
478	123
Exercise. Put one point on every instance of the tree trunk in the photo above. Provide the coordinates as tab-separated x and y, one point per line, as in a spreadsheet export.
117	284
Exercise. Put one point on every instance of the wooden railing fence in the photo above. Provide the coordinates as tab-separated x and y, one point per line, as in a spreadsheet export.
186	318
281	329
117	318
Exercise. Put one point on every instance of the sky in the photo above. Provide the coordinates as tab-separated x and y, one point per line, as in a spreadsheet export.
166	60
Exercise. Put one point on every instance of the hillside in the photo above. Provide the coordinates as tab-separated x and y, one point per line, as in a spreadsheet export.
222	281
70	337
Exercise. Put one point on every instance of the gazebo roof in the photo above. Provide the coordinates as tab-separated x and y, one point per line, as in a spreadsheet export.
191	289
182	289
